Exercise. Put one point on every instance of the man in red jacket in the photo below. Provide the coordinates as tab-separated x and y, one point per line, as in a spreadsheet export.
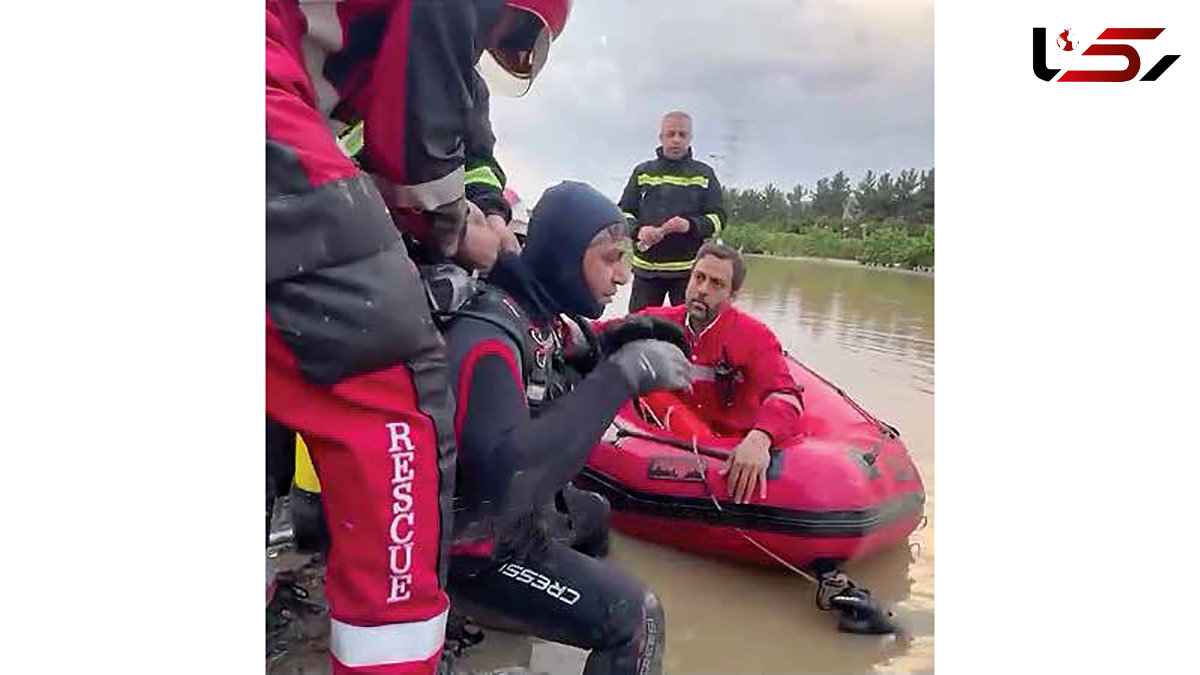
353	360
742	386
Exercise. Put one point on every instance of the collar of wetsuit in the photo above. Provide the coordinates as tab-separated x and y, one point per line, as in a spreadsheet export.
512	275
561	227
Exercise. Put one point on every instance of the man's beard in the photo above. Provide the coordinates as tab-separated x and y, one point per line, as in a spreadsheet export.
700	313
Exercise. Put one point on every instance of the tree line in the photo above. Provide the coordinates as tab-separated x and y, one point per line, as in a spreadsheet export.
883	219
904	201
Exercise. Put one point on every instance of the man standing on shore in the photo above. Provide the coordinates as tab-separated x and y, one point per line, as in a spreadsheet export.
673	204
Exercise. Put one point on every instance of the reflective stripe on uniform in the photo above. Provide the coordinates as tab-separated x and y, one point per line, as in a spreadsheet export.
716	221
680	266
426	196
409	642
350	139
484	175
629	215
685	181
786	398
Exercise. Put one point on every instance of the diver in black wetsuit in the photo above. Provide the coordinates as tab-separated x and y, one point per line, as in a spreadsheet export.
504	345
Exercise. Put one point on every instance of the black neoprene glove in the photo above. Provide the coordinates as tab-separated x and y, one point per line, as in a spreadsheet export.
620	332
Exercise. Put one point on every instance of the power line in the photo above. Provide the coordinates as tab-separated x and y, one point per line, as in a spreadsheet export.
733	145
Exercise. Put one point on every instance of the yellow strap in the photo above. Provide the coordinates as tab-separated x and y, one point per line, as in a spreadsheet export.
678	266
685	181
306	473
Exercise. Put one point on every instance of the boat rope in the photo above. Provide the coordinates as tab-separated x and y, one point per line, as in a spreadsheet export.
740	531
884	427
650	412
828	584
835	591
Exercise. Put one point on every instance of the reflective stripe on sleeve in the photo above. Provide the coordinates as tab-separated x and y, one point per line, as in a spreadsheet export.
483	175
716	221
425	196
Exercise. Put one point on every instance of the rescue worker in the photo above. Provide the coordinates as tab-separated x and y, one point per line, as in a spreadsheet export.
743	386
505	346
354	361
673	204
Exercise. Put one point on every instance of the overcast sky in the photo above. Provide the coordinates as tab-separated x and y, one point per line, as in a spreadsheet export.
817	85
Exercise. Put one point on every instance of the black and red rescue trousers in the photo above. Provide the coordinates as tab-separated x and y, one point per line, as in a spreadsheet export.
376	453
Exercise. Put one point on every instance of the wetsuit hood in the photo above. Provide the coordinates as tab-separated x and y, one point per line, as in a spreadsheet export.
562	226
513	275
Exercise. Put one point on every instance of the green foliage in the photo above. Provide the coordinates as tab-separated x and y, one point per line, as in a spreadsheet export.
815	243
888	246
883	219
892	246
904	200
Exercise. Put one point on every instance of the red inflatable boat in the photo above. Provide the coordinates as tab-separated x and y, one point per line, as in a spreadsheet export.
844	488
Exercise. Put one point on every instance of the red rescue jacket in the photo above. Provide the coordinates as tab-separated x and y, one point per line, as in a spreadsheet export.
405	69
757	368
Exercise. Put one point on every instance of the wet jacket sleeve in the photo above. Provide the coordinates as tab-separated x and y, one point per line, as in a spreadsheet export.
332	249
631	201
711	219
767	374
484	179
523	460
415	112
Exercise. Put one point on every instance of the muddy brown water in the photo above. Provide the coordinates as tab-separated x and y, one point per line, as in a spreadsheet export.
871	331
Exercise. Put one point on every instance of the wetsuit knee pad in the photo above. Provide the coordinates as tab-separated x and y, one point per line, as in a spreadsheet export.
654	626
636	642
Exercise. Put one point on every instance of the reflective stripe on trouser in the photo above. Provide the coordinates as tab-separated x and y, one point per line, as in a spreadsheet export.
376	453
354	647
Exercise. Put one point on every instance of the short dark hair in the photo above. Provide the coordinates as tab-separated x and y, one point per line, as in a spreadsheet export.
614	232
722	251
